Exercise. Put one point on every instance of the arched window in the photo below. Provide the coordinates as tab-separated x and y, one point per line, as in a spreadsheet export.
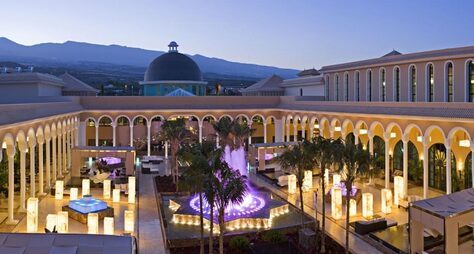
449	82
356	91
369	85
470	81
301	91
429	83
382	85
337	88
396	83
346	87
412	83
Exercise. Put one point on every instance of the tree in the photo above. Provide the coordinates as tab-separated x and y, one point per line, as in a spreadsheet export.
327	153
232	133
296	160
176	133
356	162
198	156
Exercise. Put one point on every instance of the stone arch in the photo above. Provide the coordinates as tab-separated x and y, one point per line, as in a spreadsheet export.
122	116
226	115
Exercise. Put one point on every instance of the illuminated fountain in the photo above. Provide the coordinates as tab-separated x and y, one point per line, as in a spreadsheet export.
256	211
80	208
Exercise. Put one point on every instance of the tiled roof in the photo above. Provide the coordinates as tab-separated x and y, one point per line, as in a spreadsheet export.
271	83
74	84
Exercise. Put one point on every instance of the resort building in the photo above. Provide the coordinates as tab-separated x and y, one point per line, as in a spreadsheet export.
428	143
172	71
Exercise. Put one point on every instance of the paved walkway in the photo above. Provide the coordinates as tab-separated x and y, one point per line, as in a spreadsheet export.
335	231
150	237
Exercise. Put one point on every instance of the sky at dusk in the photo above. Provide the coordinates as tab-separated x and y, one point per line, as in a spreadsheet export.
296	34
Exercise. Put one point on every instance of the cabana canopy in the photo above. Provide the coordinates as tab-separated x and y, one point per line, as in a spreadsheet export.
446	214
125	152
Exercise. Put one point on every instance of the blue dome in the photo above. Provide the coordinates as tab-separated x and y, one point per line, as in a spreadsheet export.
173	66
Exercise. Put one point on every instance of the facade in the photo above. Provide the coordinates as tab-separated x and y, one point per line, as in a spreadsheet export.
308	83
172	71
445	75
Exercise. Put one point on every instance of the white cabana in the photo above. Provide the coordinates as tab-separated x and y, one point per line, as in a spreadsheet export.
445	214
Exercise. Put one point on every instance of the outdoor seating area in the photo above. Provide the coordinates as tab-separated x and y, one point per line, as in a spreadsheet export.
151	164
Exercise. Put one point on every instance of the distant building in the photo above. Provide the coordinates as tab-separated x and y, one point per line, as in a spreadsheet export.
270	86
308	83
172	71
19	86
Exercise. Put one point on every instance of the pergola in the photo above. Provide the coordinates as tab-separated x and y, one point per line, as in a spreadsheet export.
446	214
125	152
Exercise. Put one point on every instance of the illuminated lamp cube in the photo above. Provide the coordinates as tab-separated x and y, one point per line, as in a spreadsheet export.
131	189
59	192
308	180
86	187
51	221
108	225
129	221
386	201
93	223
336	179
397	189
336	203
353	208
62	225
116	195
291	184
32	215
107	185
73	193
326	176
367	205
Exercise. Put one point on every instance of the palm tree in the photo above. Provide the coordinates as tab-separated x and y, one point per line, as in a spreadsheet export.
176	133
198	156
356	161
296	160
327	153
230	187
232	133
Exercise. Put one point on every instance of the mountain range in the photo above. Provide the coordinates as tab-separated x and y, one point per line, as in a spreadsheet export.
81	53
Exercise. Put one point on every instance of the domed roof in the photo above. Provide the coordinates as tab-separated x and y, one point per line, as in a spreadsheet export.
173	66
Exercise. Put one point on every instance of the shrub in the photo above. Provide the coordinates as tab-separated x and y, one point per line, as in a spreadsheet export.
240	244
274	237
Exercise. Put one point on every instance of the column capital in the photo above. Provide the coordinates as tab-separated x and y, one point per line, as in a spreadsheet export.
386	136
405	138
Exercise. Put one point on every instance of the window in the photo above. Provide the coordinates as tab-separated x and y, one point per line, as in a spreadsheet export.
346	87
470	81
430	83
369	85
396	82
301	91
337	88
413	83
449	82
356	92
382	85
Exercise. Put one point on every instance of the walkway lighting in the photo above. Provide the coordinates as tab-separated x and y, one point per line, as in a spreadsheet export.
107	184
62	225
129	223
337	128
386	201
336	179
59	191
92	223
393	135
51	221
291	184
131	189
367	205
73	193
108	225
465	143
336	203
353	208
32	215
116	195
86	185
363	131
308	179
397	189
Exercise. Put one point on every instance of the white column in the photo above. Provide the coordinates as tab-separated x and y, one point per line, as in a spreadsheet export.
11	188
114	138
288	132
279	130
386	137
40	169
32	172
200	131
68	147
356	138
60	158
425	168
250	136
64	153
303	130
97	134
217	141
405	140
55	164
264	132
448	168
22	180
311	131
371	142
166	149
81	134
295	130
131	134
77	135
48	164
148	139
